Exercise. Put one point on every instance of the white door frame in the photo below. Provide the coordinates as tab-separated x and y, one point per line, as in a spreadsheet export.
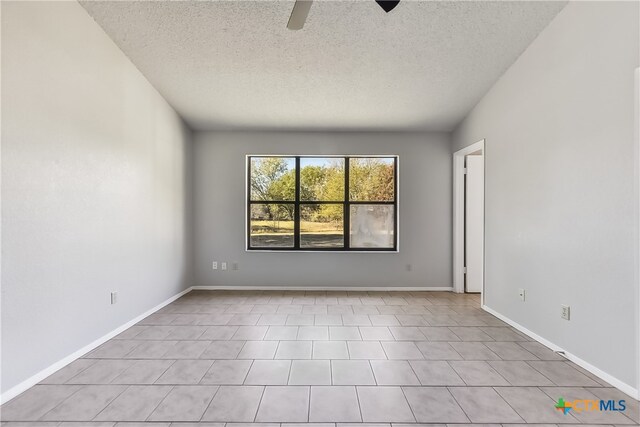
458	215
636	147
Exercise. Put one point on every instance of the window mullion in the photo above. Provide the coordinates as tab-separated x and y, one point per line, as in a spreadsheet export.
346	209
296	211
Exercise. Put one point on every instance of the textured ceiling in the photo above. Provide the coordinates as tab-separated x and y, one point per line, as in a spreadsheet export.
235	65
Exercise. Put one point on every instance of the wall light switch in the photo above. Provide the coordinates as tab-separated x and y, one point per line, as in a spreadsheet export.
223	265
214	265
114	297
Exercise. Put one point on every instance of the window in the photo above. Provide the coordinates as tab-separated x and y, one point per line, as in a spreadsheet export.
309	203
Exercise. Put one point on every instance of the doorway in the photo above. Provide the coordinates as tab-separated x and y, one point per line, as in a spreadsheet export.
468	219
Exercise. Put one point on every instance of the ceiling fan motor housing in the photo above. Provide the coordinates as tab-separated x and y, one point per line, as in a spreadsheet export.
388	6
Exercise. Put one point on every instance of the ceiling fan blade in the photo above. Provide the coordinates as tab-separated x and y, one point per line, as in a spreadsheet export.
299	14
387	5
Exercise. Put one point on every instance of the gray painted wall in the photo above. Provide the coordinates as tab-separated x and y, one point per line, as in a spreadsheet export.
425	212
94	188
559	129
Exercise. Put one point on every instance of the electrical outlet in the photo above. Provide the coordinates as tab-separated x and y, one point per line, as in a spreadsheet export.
114	297
214	265
522	294
223	265
565	312
235	266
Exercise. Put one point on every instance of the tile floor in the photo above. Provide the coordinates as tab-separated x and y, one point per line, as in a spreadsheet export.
330	358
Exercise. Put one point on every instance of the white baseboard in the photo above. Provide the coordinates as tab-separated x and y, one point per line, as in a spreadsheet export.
522	329
35	379
321	288
620	385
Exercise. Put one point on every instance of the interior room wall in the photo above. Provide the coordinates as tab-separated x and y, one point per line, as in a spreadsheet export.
424	212
94	188
559	135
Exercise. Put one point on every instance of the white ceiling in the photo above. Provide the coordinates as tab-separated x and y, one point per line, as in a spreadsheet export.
235	65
